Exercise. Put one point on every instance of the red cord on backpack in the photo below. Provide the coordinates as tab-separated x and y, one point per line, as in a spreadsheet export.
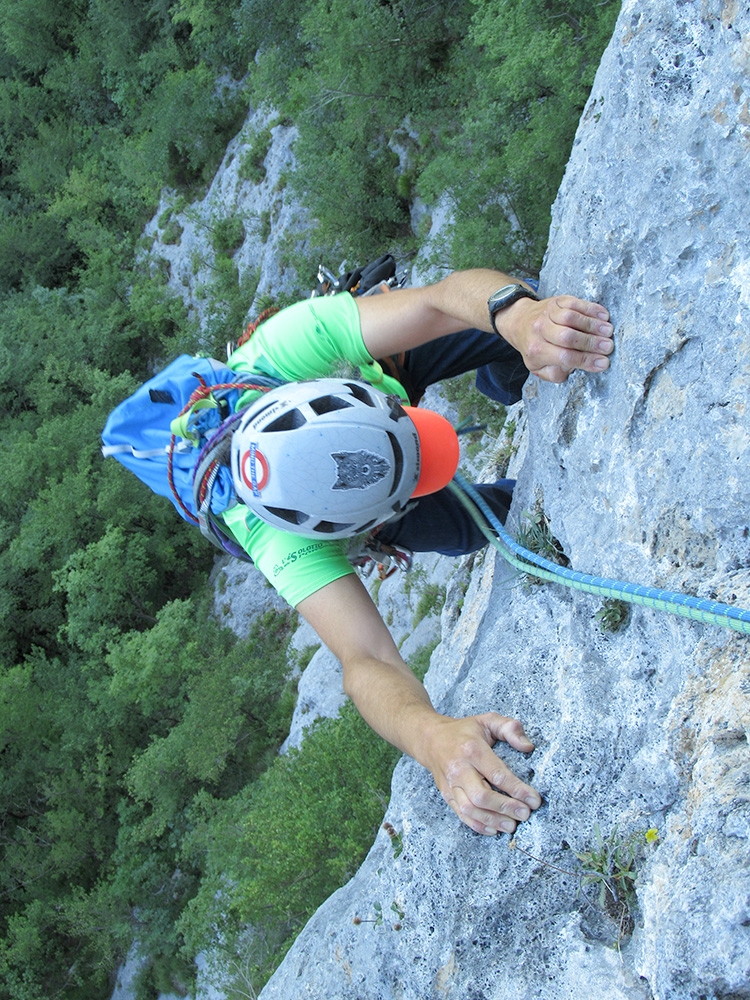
252	327
201	392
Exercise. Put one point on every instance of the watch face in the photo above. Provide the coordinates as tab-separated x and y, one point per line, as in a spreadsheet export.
505	297
507	294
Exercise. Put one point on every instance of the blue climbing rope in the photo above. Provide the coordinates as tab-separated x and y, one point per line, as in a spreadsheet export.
697	608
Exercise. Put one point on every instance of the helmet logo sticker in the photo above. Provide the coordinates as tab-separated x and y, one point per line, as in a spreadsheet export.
359	470
256	460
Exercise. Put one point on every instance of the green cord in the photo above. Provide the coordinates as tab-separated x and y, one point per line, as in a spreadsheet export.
695	608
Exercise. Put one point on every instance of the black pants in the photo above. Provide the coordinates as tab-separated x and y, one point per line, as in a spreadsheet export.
439	522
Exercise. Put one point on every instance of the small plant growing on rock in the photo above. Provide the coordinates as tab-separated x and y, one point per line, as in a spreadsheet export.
172	233
397	839
414	579
305	655
419	662
613	615
378	919
227	235
252	163
610	864
431	601
536	535
505	449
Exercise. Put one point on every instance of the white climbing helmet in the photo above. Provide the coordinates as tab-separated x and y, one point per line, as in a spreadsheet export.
332	457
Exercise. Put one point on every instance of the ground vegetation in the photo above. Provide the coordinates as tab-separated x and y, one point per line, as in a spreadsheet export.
138	737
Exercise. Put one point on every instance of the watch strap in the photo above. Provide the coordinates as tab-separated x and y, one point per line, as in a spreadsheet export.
505	297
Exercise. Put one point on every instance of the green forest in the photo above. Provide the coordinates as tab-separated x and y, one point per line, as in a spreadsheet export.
142	798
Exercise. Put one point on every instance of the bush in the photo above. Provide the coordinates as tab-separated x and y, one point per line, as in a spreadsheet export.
227	235
252	165
263	870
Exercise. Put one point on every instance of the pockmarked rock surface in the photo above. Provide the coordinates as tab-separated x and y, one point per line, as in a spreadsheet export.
642	473
261	201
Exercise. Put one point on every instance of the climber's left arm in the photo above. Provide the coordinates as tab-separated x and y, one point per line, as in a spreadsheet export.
554	336
476	784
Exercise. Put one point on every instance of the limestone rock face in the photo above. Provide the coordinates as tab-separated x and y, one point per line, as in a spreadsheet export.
642	474
182	237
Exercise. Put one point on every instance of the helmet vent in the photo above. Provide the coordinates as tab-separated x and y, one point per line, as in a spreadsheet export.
289	421
329	527
292	516
359	392
365	527
398	462
395	409
328	404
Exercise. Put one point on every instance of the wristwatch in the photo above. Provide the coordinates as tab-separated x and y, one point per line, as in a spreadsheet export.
505	297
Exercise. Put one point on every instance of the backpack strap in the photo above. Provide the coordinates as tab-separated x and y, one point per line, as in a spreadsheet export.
211	526
215	456
179	426
215	453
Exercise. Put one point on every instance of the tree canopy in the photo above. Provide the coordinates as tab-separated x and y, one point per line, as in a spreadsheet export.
138	737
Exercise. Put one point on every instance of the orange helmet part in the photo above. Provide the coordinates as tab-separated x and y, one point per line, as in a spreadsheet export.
439	450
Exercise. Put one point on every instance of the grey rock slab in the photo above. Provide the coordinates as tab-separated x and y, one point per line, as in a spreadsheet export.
240	594
190	260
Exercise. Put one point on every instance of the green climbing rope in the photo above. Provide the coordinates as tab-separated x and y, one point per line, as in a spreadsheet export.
697	608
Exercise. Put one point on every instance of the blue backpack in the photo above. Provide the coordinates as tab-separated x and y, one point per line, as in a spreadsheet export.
175	434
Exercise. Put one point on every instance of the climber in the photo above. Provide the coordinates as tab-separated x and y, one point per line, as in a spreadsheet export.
287	475
477	319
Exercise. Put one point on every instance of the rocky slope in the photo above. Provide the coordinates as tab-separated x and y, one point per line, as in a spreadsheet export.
641	474
250	188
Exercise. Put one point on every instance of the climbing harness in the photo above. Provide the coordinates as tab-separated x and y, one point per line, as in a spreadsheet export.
697	608
369	552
